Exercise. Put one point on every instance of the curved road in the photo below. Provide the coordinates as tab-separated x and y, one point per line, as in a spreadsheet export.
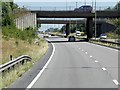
79	65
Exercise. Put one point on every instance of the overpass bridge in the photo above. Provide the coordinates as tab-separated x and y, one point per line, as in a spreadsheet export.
102	24
77	14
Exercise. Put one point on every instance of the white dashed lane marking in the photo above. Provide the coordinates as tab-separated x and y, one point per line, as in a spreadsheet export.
96	61
104	69
116	82
91	56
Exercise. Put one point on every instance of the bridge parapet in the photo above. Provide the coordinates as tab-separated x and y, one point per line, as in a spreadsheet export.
73	14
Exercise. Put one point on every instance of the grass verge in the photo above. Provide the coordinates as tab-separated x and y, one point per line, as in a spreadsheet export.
10	47
115	46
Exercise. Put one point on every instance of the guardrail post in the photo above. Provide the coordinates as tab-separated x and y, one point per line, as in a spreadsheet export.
10	57
89	25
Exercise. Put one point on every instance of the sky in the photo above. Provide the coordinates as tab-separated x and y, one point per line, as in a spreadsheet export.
62	5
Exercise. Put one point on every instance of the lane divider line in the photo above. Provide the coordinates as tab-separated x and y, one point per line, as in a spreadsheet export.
86	52
91	56
116	82
96	61
40	73
104	69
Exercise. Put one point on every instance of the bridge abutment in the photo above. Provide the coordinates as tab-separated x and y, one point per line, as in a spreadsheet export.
67	29
28	20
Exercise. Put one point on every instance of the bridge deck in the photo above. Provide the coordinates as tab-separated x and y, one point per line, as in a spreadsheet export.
73	14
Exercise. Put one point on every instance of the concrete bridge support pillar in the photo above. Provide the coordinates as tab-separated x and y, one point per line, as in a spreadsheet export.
67	30
89	26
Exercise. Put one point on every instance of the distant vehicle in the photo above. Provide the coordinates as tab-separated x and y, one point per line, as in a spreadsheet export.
85	8
46	35
76	9
78	33
52	34
71	38
103	36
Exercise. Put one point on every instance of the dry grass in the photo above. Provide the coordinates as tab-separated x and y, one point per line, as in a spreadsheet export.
14	74
11	48
106	44
36	51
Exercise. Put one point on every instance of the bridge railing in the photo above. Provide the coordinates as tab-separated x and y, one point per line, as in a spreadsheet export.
69	8
66	6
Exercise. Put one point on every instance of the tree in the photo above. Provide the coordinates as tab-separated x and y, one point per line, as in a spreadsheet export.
117	6
7	13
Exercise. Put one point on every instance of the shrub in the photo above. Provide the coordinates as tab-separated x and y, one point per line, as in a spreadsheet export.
12	32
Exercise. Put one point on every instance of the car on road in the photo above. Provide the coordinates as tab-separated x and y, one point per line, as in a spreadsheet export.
46	35
78	33
71	38
103	36
85	8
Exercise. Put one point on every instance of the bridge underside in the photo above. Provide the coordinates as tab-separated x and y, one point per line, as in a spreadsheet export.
68	22
102	26
73	14
60	21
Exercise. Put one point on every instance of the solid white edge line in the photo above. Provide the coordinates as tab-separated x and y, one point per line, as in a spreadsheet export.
40	73
104	69
116	82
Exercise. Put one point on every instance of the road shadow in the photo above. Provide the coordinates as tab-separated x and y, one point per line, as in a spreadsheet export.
66	41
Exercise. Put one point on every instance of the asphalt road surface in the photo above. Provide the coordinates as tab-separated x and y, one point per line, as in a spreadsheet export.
79	65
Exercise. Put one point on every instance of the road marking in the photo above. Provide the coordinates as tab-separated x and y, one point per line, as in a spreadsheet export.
96	61
86	52
91	56
104	69
116	82
40	73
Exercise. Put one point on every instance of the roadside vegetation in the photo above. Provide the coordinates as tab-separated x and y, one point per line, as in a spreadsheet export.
18	42
115	34
34	50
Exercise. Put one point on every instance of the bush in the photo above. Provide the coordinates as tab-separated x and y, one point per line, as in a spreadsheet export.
112	35
12	32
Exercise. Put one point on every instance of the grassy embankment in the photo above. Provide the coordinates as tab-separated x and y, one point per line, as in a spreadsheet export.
105	44
16	43
110	35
